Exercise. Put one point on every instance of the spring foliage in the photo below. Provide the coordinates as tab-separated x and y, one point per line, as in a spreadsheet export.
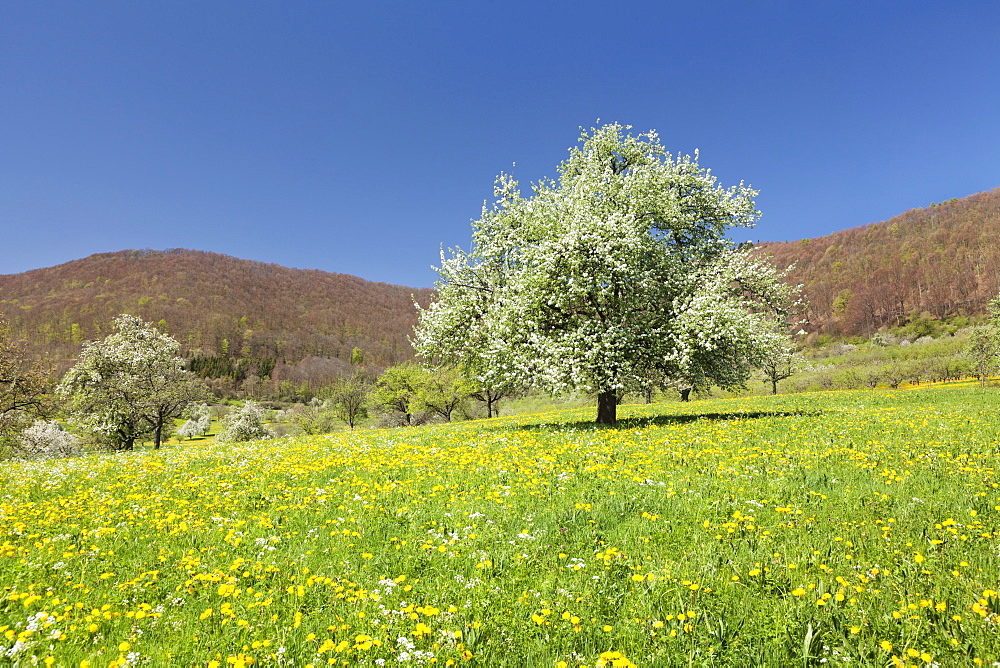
984	345
617	269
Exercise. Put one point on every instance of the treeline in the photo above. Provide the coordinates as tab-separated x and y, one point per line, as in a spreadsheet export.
214	305
131	386
935	262
239	369
266	379
887	360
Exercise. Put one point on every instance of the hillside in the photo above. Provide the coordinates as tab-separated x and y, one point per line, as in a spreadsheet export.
214	305
942	260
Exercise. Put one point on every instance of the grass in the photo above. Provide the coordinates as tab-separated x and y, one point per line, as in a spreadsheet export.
793	530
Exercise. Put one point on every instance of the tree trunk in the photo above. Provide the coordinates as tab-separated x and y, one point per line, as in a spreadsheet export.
157	435
774	386
649	395
607	408
686	394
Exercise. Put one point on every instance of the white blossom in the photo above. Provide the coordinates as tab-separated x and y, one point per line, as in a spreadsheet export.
245	424
615	277
130	384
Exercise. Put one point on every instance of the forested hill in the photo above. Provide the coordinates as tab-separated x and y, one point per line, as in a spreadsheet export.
214	305
942	260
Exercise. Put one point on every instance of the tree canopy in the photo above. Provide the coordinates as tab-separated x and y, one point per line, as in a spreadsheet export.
397	390
618	268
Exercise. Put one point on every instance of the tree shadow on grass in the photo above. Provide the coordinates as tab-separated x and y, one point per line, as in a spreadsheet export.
639	422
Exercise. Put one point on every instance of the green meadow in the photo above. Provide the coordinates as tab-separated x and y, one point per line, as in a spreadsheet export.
858	528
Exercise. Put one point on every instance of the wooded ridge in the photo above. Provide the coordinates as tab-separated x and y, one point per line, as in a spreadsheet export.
940	261
213	304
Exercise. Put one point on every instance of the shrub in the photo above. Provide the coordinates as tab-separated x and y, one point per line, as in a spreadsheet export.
880	340
397	419
47	440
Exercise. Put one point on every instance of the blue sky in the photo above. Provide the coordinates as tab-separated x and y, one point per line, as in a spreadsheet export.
358	137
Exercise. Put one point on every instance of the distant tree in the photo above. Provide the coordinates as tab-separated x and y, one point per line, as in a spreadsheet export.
894	373
491	395
960	367
982	350
938	369
130	384
443	391
618	267
826	380
851	379
286	391
189	430
879	340
312	419
653	381
841	301
397	390
24	384
201	415
252	387
357	356
244	424
780	362
916	370
349	398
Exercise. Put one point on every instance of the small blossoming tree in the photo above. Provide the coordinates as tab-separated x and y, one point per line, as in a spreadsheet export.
130	384
47	440
244	424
